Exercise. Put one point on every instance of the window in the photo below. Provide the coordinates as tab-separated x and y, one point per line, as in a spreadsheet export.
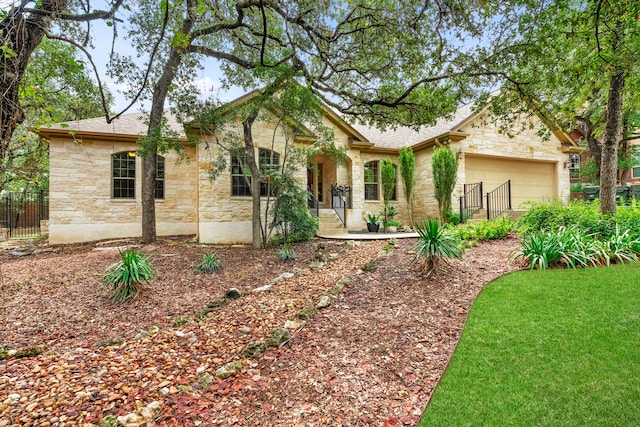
160	177
320	182
268	161
574	165
241	175
240	181
123	170
635	158
371	180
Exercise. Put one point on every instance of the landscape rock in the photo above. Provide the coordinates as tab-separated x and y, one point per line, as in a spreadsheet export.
294	324
232	293
316	265
254	349
307	313
262	288
182	320
108	421
205	380
228	370
324	302
278	337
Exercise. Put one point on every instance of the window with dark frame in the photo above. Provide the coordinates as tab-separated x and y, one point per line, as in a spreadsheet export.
371	181
123	172
268	161
159	194
241	180
574	165
240	184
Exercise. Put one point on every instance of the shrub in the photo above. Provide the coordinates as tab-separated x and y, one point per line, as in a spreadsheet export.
485	230
125	278
435	243
210	262
540	249
286	253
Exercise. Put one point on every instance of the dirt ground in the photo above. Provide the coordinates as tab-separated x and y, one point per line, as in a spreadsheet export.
373	357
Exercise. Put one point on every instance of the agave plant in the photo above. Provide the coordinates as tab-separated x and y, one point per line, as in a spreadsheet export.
435	243
126	278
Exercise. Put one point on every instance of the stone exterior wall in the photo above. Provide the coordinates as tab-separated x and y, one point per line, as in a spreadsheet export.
223	217
377	206
485	139
81	206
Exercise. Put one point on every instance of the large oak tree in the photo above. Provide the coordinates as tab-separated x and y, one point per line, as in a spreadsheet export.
387	62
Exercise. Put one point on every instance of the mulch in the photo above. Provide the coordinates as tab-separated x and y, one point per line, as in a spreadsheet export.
373	357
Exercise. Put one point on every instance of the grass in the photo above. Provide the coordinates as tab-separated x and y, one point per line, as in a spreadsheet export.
554	347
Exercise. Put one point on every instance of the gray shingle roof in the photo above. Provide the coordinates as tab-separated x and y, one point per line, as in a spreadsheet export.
127	124
406	137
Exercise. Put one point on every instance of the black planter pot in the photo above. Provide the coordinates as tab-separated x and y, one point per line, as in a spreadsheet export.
373	228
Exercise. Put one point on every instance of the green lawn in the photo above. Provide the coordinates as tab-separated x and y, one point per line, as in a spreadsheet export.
555	348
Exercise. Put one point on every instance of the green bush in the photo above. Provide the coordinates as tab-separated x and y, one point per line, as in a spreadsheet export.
551	216
210	262
435	243
125	278
572	248
485	230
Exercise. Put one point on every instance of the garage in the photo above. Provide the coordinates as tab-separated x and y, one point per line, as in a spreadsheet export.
530	180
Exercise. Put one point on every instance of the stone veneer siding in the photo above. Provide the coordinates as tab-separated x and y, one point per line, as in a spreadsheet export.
81	206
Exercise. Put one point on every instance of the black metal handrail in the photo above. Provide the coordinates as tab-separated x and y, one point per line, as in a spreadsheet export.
499	200
312	203
341	201
471	201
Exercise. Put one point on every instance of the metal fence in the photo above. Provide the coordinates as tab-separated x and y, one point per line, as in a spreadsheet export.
21	213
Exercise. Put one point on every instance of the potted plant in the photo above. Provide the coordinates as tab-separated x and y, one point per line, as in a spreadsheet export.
391	226
576	191
373	223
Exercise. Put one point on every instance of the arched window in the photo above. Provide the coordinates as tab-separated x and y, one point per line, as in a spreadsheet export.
123	173
371	181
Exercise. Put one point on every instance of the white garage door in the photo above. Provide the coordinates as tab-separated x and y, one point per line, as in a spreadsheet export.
529	180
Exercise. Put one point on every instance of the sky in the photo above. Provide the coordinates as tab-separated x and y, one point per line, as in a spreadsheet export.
209	81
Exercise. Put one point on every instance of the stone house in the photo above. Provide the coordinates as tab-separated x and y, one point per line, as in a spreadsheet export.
95	175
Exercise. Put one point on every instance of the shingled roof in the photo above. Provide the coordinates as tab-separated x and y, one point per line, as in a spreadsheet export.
406	137
127	124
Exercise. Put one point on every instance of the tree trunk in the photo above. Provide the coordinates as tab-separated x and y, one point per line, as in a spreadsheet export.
256	226
153	133
21	33
613	136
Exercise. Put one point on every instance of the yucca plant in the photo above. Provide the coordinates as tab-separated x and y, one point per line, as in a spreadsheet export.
126	278
286	253
210	262
435	244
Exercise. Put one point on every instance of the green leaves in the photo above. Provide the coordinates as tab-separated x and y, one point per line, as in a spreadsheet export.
435	243
444	164
125	279
210	262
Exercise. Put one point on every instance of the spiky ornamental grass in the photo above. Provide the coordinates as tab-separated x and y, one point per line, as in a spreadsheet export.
210	262
435	243
125	279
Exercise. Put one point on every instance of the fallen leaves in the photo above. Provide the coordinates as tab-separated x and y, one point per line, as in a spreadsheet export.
372	357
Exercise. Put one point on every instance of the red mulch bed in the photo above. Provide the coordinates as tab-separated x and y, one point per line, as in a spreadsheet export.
372	358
